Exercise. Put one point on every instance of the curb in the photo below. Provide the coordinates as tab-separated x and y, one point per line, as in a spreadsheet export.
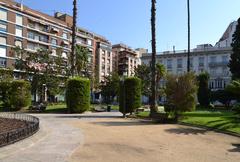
210	129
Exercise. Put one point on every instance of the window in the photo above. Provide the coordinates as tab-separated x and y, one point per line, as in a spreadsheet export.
3	51
19	19
3	26
179	63
31	35
3	62
54	41
64	54
54	51
201	61
65	35
31	46
3	14
19	31
191	62
225	59
169	64
89	42
213	59
3	40
18	43
43	38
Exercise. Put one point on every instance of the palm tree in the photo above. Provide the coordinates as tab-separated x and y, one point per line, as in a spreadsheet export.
153	67
160	73
73	37
188	54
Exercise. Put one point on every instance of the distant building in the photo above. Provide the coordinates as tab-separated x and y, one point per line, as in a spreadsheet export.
204	58
32	30
125	59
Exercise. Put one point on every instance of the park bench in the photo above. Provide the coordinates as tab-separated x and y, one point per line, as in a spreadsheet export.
38	106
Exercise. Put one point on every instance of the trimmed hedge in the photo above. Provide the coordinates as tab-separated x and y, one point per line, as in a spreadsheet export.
15	94
132	95
20	94
78	95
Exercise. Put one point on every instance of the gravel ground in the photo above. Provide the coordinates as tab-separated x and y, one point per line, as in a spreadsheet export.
118	140
104	137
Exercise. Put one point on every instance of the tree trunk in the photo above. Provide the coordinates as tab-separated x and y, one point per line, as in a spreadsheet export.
73	37
153	65
188	53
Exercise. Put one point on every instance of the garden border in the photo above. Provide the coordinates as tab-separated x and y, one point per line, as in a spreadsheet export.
15	135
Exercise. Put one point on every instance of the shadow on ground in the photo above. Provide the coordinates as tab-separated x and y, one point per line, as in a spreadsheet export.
186	131
89	116
236	149
123	123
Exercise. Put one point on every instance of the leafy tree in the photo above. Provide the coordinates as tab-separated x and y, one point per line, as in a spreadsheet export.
234	64
82	61
144	73
110	88
234	88
6	74
180	93
41	69
203	90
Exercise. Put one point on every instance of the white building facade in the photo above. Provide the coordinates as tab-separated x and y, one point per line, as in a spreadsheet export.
212	60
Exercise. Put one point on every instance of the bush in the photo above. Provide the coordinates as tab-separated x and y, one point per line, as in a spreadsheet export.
236	108
132	95
20	94
180	93
5	93
223	96
78	95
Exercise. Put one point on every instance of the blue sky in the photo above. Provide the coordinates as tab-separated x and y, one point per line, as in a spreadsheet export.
128	21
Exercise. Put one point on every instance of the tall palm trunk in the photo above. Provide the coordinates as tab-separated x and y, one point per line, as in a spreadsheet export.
153	65
188	54
73	37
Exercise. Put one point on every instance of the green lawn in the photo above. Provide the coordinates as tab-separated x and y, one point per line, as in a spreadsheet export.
218	119
61	108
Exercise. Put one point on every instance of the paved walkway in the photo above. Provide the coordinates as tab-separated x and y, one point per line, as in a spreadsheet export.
104	137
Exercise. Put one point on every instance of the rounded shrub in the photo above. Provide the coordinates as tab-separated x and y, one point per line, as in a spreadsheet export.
130	95
20	95
78	95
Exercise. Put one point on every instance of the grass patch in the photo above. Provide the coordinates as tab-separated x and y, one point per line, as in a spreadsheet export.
218	119
59	108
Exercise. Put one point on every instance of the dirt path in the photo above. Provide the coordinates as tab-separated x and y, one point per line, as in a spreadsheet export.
118	140
105	137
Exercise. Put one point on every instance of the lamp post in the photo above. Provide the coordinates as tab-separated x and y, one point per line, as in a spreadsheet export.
124	94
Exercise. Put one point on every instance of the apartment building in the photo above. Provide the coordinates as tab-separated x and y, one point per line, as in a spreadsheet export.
32	30
104	64
125	59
